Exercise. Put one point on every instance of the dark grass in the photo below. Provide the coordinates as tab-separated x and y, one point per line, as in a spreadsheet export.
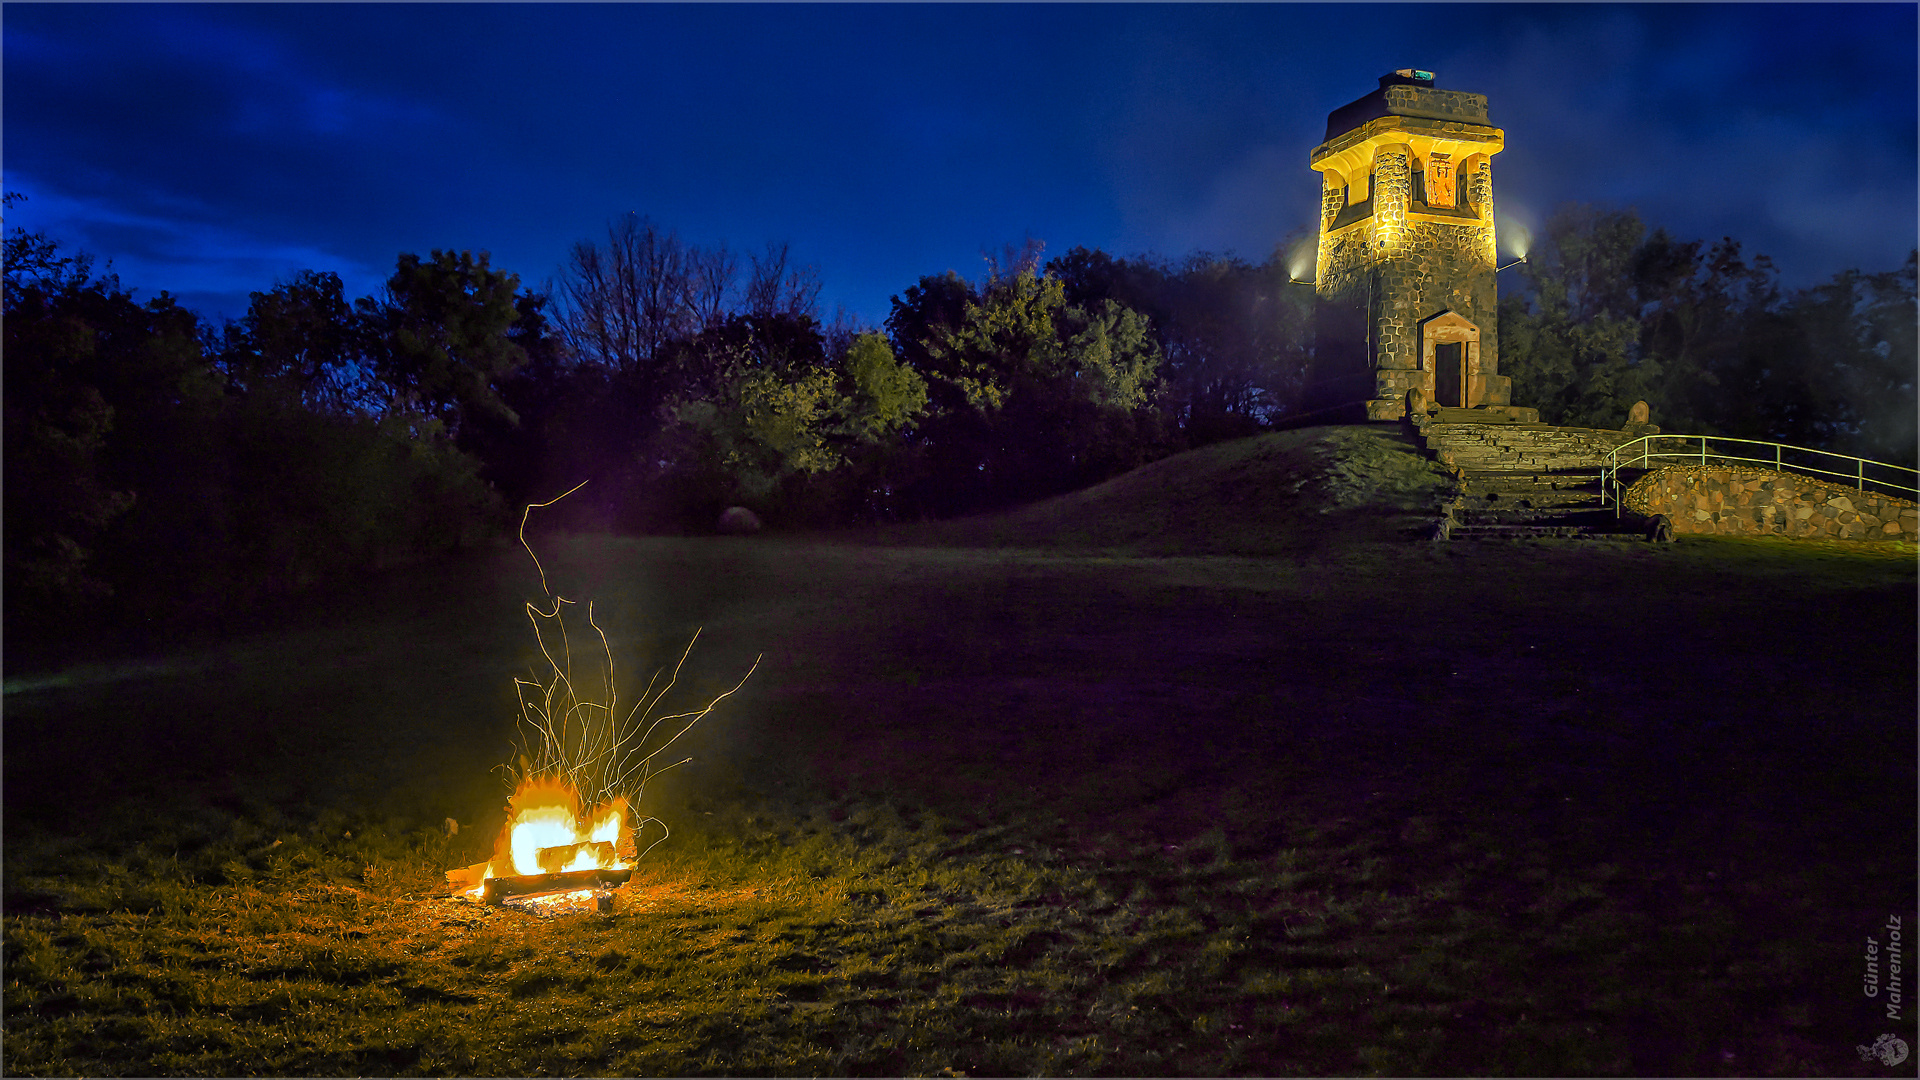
1351	805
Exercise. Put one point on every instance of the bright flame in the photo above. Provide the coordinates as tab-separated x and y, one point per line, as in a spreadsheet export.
546	833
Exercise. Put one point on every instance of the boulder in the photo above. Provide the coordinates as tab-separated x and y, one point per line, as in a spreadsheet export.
738	521
1639	413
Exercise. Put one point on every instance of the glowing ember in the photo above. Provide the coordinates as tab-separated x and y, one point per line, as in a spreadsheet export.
573	901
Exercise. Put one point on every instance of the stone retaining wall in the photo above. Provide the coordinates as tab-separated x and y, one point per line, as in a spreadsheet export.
1732	500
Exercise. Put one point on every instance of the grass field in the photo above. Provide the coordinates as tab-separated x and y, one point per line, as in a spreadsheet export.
1159	778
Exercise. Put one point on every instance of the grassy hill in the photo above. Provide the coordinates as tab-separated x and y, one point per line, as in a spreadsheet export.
1293	492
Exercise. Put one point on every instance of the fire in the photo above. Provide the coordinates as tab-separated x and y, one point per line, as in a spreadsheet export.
576	743
547	833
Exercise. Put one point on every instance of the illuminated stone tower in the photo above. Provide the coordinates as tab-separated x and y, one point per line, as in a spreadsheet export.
1405	277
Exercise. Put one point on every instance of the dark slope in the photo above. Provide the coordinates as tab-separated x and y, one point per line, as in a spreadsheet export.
1294	492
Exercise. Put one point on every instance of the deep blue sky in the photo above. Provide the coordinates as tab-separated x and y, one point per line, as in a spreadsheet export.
213	150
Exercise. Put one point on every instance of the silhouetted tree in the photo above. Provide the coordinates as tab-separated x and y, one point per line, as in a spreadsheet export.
626	298
159	474
305	338
443	336
777	287
59	498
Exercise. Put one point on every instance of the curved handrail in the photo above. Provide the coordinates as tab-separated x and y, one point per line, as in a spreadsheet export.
1610	472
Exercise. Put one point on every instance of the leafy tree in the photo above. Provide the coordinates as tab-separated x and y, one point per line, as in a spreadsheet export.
923	310
1706	336
152	485
56	424
444	340
1854	340
113	430
1030	396
1573	352
1021	335
882	395
537	442
1234	335
58	499
33	260
304	338
780	414
882	399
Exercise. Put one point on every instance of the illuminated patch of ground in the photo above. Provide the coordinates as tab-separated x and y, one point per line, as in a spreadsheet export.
1374	807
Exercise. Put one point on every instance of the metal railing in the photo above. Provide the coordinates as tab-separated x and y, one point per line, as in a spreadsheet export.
1639	453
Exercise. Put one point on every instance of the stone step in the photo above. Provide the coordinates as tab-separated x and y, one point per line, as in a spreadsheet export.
1518	479
1493	445
1518	505
1531	479
1501	504
1592	517
1450	415
1536	446
1491	459
1528	481
1516	462
1532	435
1539	532
1518	430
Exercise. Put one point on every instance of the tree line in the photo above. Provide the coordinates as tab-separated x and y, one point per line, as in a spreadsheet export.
162	470
1614	313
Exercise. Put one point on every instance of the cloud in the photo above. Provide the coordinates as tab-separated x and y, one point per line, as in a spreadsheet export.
1249	206
172	242
1774	126
273	91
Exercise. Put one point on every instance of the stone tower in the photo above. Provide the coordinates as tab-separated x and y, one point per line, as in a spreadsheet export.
1405	277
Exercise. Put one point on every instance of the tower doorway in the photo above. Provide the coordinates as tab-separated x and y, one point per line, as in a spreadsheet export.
1450	356
1449	375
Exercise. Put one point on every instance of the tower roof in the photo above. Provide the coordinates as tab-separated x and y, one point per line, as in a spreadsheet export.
1408	92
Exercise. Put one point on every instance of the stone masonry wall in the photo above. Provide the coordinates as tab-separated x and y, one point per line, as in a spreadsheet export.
1438	266
1393	341
1428	101
1347	265
1731	500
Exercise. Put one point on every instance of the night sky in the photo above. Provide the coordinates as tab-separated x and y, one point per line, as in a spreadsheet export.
214	150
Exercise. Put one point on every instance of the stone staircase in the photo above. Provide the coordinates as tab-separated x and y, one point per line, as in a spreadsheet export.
1520	480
